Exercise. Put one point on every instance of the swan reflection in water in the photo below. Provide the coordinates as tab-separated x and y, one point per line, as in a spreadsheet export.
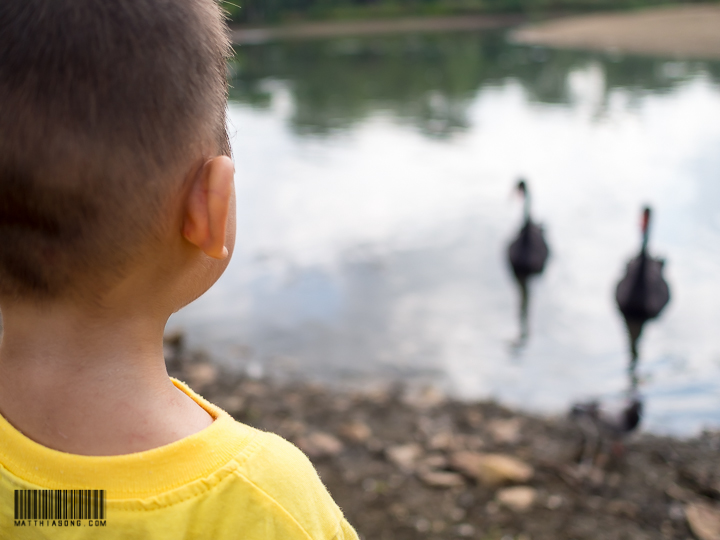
604	426
527	254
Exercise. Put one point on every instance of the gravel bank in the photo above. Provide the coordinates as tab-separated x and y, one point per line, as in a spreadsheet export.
409	464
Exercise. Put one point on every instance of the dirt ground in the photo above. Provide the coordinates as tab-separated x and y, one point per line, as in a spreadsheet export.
687	32
410	464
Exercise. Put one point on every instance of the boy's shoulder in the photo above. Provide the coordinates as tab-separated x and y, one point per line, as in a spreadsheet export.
276	478
287	482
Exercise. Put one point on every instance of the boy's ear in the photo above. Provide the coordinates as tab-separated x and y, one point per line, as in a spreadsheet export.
205	218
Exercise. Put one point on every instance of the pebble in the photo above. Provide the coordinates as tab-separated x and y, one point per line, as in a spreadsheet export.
679	493
505	431
492	469
404	456
319	444
518	498
424	398
201	375
441	479
442	441
554	502
422	525
704	520
356	432
433	461
466	530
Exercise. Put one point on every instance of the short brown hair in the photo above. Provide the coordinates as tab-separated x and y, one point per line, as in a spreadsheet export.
101	105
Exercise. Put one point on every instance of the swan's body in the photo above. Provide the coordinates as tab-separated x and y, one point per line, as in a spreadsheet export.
528	252
643	293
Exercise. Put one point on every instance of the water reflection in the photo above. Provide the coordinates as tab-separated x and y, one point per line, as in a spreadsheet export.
430	80
605	426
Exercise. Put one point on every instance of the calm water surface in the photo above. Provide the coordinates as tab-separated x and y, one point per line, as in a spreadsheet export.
374	181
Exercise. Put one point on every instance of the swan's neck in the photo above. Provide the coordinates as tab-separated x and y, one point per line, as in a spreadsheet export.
643	249
526	209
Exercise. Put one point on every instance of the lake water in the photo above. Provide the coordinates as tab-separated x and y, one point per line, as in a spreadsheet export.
374	183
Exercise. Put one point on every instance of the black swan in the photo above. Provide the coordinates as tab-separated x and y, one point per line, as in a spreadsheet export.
527	255
528	252
643	293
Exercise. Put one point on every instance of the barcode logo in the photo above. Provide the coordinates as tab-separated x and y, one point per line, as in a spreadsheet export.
60	504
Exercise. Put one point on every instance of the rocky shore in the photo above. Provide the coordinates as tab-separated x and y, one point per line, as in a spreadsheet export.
410	464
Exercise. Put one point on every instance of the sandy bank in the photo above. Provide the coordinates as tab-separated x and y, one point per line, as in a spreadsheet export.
358	28
687	32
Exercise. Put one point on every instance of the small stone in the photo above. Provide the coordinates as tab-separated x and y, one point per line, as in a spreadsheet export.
679	493
456	514
441	479
492	469
404	456
201	375
442	441
505	431
466	530
554	502
422	525
319	444
433	461
518	498
704	520
424	398
356	432
676	512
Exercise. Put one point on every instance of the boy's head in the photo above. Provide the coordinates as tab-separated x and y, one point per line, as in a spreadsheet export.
105	107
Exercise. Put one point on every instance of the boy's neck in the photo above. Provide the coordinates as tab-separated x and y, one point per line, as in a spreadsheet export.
91	383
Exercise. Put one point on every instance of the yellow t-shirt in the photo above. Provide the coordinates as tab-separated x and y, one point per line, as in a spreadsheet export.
229	481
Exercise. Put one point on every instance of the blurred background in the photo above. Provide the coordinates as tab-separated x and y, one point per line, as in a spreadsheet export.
377	196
